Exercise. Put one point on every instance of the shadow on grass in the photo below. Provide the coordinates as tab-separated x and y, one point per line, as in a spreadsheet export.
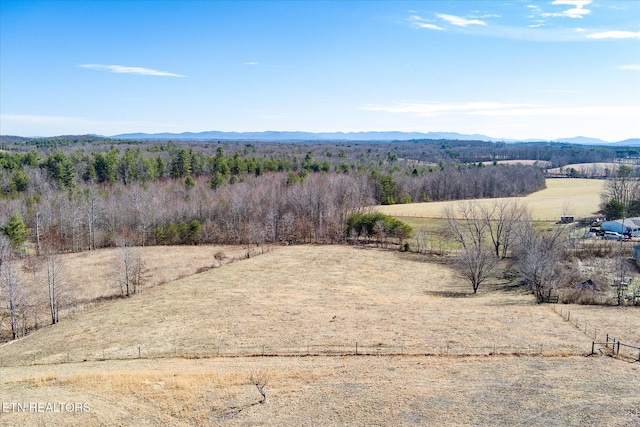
449	294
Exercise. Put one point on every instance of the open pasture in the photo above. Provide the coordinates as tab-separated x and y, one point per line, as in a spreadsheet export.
597	169
333	391
494	358
570	196
89	276
541	163
295	299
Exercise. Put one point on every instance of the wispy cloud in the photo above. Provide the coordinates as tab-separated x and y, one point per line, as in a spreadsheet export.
119	69
615	35
251	63
629	67
49	125
419	22
502	109
436	109
460	21
578	10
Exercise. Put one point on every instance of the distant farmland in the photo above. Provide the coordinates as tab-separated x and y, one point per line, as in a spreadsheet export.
563	196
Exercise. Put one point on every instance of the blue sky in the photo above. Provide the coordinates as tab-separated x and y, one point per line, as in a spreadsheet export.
508	69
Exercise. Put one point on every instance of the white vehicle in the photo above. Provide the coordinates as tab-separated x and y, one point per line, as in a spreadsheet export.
612	235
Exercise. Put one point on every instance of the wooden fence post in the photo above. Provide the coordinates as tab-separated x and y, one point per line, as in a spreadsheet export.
356	348
593	346
139	352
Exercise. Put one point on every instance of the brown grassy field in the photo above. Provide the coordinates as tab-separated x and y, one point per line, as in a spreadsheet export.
494	358
88	276
595	169
541	163
334	391
577	197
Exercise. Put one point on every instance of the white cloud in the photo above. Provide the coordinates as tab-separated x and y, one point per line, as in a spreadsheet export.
577	11
119	69
460	21
51	125
419	22
503	109
629	67
436	109
615	35
597	112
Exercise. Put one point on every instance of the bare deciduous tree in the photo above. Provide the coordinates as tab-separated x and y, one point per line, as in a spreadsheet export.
128	269
502	218
624	186
378	232
56	285
422	239
13	295
537	255
465	224
260	380
476	264
468	227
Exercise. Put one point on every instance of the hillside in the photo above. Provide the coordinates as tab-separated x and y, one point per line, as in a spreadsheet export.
295	297
315	303
319	300
575	196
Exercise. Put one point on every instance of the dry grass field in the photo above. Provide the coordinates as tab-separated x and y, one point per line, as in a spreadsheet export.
88	276
541	163
577	197
495	358
333	391
590	169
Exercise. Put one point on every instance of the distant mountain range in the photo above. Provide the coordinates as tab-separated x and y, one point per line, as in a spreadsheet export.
276	136
307	136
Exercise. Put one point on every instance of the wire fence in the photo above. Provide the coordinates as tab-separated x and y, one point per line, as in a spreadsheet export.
205	351
602	342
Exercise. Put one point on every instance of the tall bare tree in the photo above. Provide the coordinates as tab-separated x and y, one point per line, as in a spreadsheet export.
623	186
12	293
128	269
467	226
538	254
56	285
476	264
502	218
